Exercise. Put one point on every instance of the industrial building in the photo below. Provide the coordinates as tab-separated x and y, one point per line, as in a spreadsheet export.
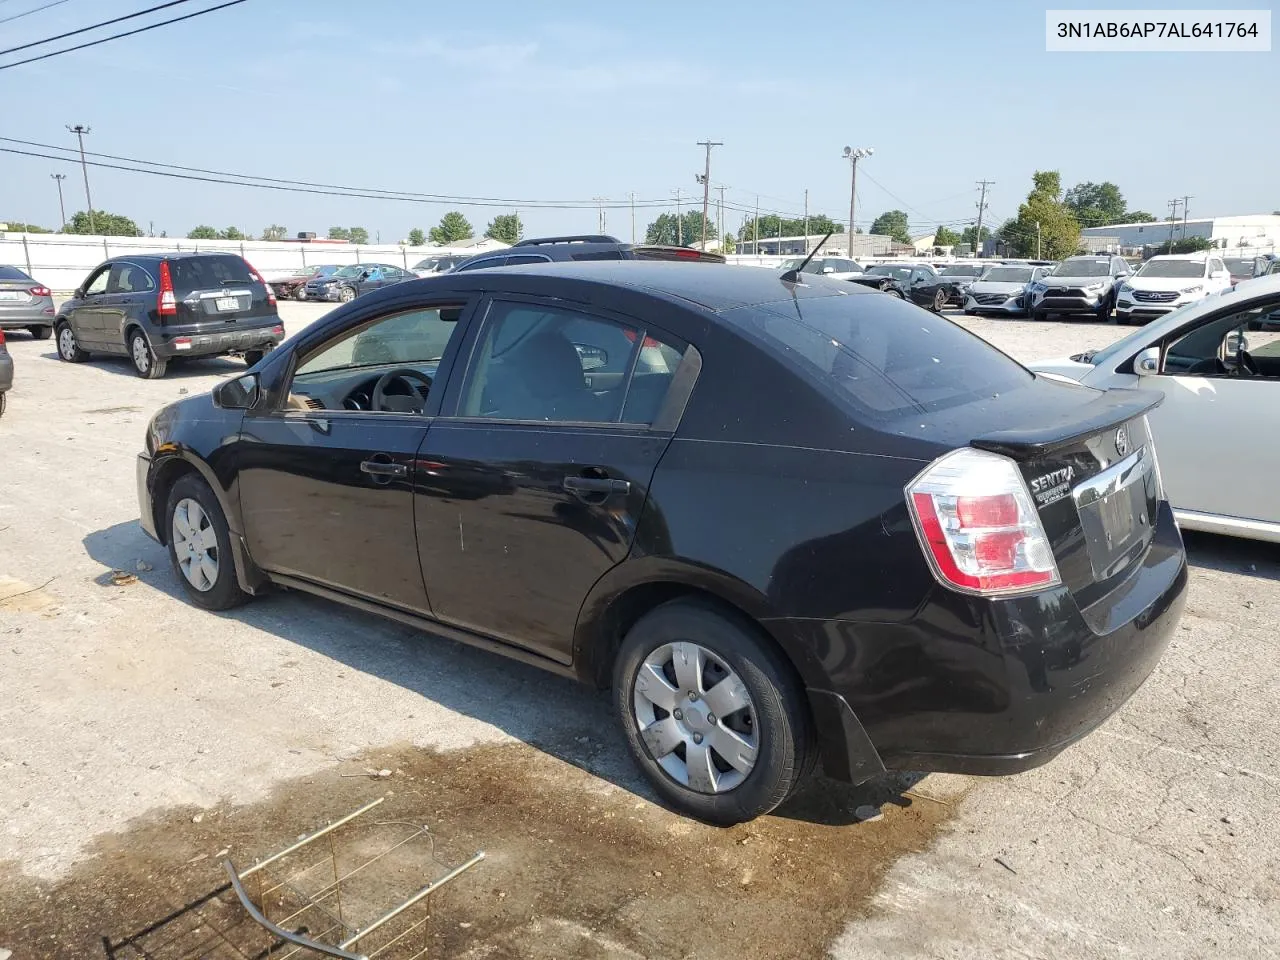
1258	233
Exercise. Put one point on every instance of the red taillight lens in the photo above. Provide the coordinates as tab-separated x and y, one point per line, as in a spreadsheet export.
1	338
39	291
166	302
271	294
978	526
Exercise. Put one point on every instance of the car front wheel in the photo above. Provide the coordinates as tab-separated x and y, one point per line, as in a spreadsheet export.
68	348
200	545
346	294
712	712
939	301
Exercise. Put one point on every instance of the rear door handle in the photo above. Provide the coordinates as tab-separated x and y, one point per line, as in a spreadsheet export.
596	485
383	468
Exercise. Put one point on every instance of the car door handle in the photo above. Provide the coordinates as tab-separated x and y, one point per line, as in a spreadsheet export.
381	468
594	486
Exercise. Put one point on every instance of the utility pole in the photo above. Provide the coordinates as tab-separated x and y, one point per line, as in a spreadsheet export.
600	218
80	130
853	155
1173	219
1037	239
1186	205
982	207
806	221
720	227
679	222
633	216
755	229
706	185
58	178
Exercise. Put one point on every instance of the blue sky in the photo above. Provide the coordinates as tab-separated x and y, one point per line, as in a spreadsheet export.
571	100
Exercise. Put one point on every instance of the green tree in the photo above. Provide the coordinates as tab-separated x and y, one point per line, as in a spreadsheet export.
1138	216
416	237
274	232
203	232
688	230
359	235
892	223
728	244
969	235
232	233
818	225
339	233
13	226
1059	231
505	227
946	237
104	224
453	227
1095	204
1192	244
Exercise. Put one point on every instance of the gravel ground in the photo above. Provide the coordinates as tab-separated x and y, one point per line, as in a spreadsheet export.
125	713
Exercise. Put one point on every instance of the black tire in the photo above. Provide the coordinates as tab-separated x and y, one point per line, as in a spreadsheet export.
300	292
40	332
144	361
1039	315
68	346
346	294
1103	313
939	301
785	753
3	401
225	593
253	357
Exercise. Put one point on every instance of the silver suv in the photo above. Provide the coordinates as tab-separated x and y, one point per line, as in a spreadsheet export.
1087	284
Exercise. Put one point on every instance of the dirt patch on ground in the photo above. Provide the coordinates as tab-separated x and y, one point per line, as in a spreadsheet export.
576	867
18	596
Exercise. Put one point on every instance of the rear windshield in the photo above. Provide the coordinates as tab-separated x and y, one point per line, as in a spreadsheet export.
1172	268
207	273
885	357
12	273
1238	266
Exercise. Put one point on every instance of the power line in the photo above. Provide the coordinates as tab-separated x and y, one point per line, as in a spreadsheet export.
127	33
95	26
19	16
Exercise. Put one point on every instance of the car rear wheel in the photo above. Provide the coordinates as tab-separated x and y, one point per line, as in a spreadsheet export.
712	712
939	301
68	349
253	357
40	332
3	401
200	545
300	292
145	363
346	294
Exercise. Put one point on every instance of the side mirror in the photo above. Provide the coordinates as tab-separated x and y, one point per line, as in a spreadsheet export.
79	293
592	358
239	394
1147	363
365	275
828	269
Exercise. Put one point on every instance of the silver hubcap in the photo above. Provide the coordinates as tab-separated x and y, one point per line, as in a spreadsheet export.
695	717
346	295
67	342
141	357
195	545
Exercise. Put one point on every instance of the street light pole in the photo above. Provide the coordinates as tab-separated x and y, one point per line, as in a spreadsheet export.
853	155
706	186
62	209
80	130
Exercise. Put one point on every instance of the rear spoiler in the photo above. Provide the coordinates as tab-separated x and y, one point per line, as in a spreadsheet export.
661	252
1109	409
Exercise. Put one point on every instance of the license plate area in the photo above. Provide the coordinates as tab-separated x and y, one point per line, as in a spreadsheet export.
13	295
1116	511
225	304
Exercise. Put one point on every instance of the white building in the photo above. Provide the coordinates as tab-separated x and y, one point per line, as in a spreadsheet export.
1259	233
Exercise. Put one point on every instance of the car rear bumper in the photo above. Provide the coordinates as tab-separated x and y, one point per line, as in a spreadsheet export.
6	371
211	340
146	509
39	314
996	687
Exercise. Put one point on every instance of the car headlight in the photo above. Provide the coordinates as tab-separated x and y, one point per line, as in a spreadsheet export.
1095	287
1193	289
1126	288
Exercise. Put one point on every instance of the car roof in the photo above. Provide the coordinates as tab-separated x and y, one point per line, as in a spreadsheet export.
712	286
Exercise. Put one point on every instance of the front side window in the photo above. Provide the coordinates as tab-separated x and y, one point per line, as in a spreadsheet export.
1242	343
543	363
98	283
412	338
129	278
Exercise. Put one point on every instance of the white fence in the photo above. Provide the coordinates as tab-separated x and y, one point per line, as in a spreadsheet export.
63	261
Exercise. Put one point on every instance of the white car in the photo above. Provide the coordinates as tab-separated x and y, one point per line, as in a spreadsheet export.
835	268
1217	362
1003	290
1166	283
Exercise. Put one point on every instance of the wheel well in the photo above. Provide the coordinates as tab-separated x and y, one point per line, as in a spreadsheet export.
128	332
630	606
169	474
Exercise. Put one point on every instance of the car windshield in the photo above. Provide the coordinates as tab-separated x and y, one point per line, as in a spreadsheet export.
882	357
1173	268
12	273
352	271
1239	267
1082	268
1007	275
963	270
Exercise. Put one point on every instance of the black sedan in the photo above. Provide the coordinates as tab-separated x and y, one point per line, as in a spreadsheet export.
784	522
923	284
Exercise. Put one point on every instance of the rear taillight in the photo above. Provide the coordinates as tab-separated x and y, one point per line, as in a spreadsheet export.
166	302
978	526
271	294
1	338
39	291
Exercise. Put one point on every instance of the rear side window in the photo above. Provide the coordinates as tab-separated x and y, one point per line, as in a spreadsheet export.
885	357
12	273
207	273
519	258
599	255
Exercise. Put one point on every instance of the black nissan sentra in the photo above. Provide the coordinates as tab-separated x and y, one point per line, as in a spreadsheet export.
786	522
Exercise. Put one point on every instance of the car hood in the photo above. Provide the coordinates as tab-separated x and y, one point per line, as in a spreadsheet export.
1165	283
1073	370
997	286
1073	281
